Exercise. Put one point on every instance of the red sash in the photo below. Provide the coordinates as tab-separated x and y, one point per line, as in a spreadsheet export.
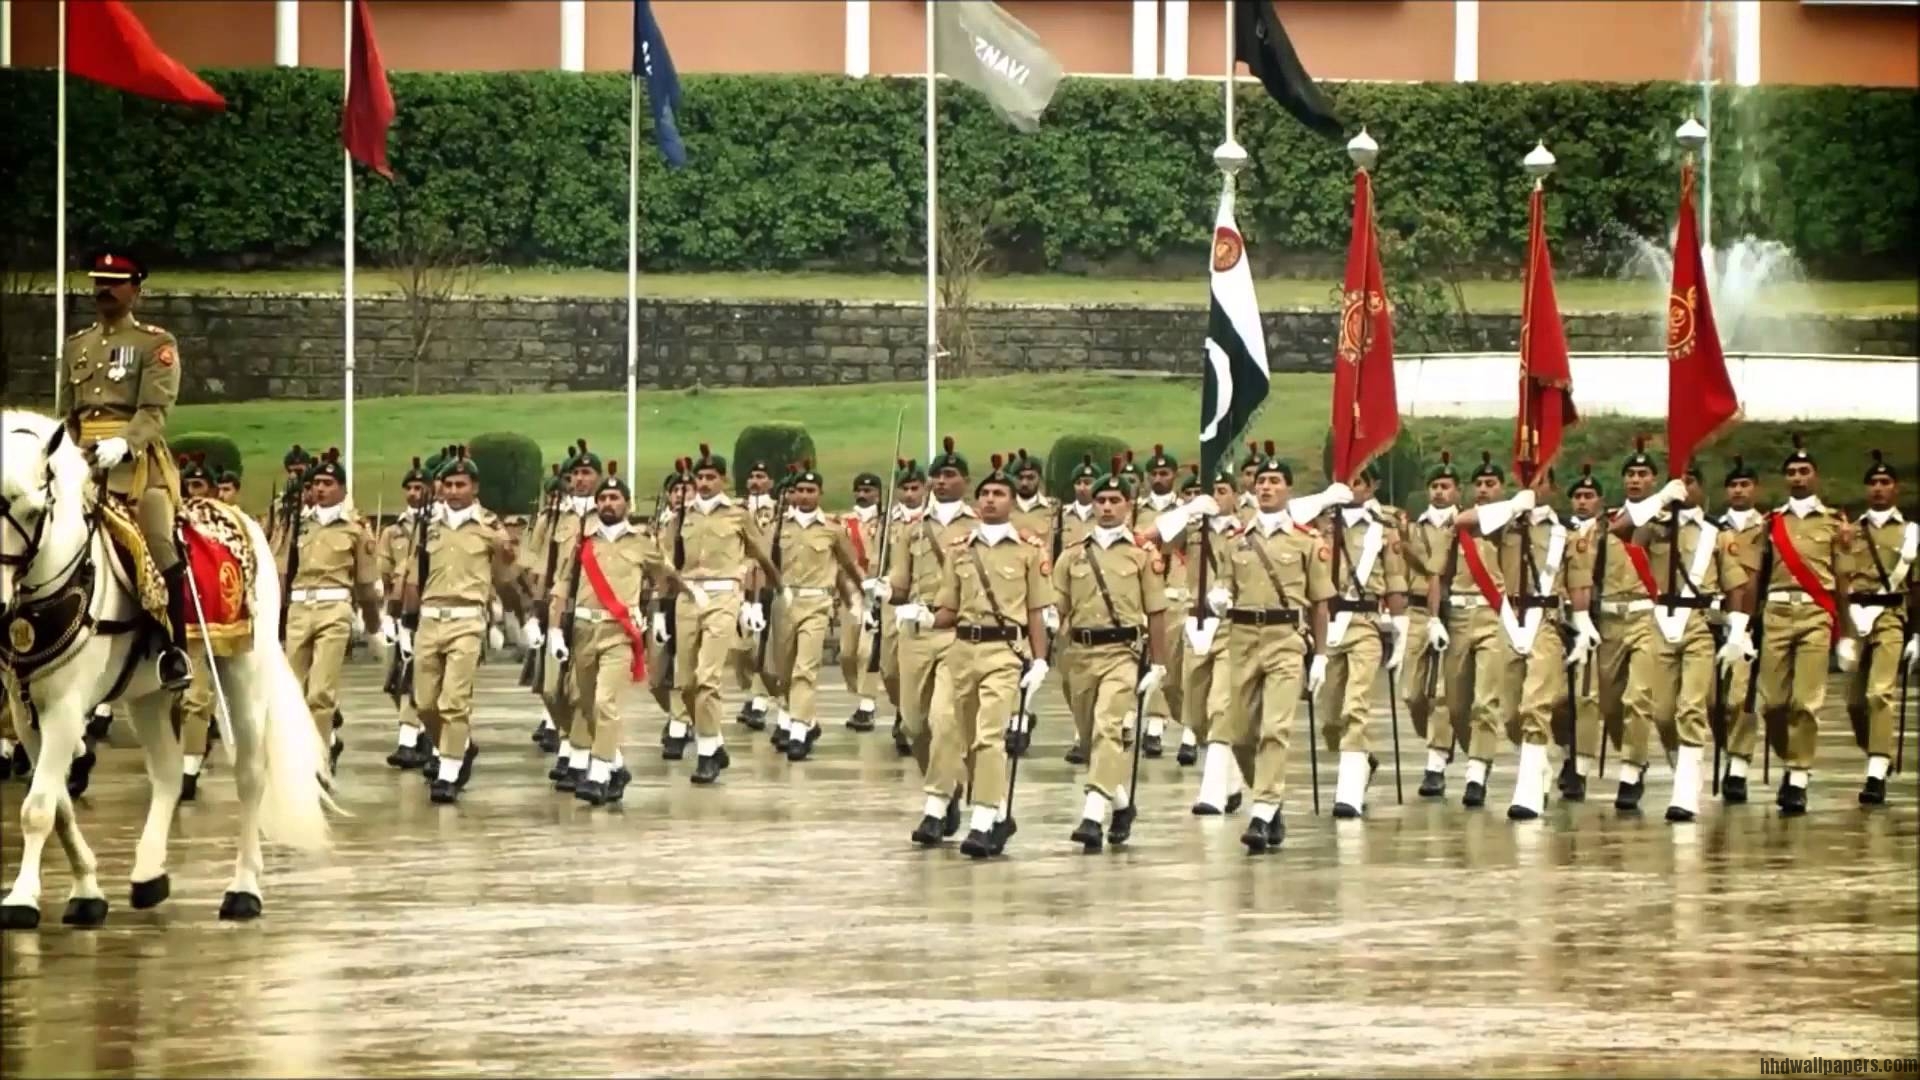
859	543
590	564
1802	573
1478	568
1642	566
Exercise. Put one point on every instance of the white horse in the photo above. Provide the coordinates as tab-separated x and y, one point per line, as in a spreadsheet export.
51	544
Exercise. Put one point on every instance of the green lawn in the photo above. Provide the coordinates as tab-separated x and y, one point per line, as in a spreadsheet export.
1575	294
853	428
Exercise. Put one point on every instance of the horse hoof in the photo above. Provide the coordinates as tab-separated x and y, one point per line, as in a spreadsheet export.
19	917
85	911
239	905
148	894
80	774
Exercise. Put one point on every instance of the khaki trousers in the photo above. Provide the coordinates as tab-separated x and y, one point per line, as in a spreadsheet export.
1628	670
1109	674
1536	686
1428	714
1743	727
1268	671
799	635
926	706
1793	676
1346	699
1683	685
601	670
1208	690
558	695
1872	687
445	654
317	634
704	641
986	692
658	685
1065	659
1479	663
743	659
194	709
856	652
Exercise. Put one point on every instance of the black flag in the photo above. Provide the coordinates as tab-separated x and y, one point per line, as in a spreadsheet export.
1260	42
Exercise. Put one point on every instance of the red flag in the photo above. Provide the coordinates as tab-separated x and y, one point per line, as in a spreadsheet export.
1366	409
1546	381
369	111
107	44
1700	399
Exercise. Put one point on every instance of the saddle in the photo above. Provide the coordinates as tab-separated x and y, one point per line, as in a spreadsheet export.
130	549
214	542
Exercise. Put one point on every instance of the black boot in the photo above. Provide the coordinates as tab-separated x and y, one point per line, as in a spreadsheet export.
901	746
1150	746
176	672
861	720
1087	835
1276	831
672	749
1122	828
977	845
1874	793
1076	754
1002	832
1476	795
1792	800
1574	787
99	722
1255	837
1187	754
950	824
590	791
779	738
1628	797
706	769
1019	737
547	739
1433	785
570	779
1733	789
928	832
443	792
189	787
752	717
617	784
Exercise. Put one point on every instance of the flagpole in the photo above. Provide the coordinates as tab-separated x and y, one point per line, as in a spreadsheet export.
60	207
633	264
933	241
346	185
1226	35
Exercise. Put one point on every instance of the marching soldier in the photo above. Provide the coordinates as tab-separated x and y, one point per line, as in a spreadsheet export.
1466	629
1428	540
1112	599
227	487
763	506
993	589
1076	523
555	536
1033	520
927	691
715	544
467	555
862	528
1742	523
118	379
1280	578
1179	598
1709	575
1367	625
661	675
1162	473
910	506
1883	601
1207	683
337	571
597	600
193	709
1804	546
1626	652
395	562
1588	534
816	560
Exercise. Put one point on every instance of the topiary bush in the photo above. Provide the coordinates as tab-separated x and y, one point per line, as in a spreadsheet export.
777	442
511	471
222	452
1070	450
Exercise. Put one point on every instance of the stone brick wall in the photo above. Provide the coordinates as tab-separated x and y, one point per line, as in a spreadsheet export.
247	347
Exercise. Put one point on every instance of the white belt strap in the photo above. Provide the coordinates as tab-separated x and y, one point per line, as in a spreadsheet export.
1863	616
1624	607
1522	632
592	615
812	592
714	585
1362	570
317	596
1789	596
451	612
1673	621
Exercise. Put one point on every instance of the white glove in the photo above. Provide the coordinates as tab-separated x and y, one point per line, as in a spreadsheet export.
405	641
1674	492
1030	682
753	617
109	452
1402	629
495	639
906	618
1337	495
1151	681
1437	635
1202	505
1200	634
1912	653
1317	673
1849	653
1050	617
874	589
359	623
530	633
557	648
1522	501
389	630
923	617
658	625
1739	646
1219	600
1586	636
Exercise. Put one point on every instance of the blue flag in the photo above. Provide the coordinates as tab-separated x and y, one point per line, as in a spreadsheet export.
651	59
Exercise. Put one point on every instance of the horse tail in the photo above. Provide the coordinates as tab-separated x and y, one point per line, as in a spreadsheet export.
293	809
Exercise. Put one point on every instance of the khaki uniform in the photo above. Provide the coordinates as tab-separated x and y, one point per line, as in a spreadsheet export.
465	566
856	641
119	381
563	531
1478	657
1206	679
600	659
1626	663
1424	548
338	566
1076	524
1034	519
1358	634
926	682
1165	702
812	556
660	673
1798	635
717	550
393	560
744	653
1536	686
990	588
1686	661
193	710
1882	599
1743	728
1269	647
1110	642
904	521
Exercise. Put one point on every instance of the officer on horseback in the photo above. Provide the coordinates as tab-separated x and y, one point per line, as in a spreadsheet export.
118	378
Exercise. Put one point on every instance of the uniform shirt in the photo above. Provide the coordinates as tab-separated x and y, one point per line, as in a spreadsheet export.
1150	506
336	552
812	551
395	547
562	531
1034	517
1388	574
1574	571
1134	584
1076	522
628	559
1816	536
1724	572
1424	546
1744	528
762	509
716	543
1015	569
864	522
118	380
1301	564
1622	581
1463	583
466	563
1885	540
919	562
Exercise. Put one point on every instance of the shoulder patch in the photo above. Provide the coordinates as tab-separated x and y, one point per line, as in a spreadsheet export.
165	355
1580	545
1325	553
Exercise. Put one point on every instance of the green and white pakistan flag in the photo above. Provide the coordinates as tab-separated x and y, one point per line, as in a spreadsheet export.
977	43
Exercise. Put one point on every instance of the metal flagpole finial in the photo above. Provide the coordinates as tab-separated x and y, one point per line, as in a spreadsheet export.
1539	163
1363	150
1231	157
1692	135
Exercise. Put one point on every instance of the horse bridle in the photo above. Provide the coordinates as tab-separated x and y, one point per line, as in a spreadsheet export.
26	555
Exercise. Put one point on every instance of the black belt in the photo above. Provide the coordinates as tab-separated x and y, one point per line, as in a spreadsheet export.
1106	635
1530	603
1876	599
1418	600
1365	605
979	634
1701	603
1285	616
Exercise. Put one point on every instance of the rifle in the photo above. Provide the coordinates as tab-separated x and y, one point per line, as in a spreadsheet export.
573	604
878	604
768	593
410	620
670	605
533	669
292	503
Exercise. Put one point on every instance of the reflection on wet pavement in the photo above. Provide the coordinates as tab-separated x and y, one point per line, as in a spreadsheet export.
781	924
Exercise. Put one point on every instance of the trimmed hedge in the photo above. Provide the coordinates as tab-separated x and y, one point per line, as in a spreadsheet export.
1070	451
511	471
827	172
779	443
222	452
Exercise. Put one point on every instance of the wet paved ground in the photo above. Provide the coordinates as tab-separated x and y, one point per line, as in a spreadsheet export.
781	924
